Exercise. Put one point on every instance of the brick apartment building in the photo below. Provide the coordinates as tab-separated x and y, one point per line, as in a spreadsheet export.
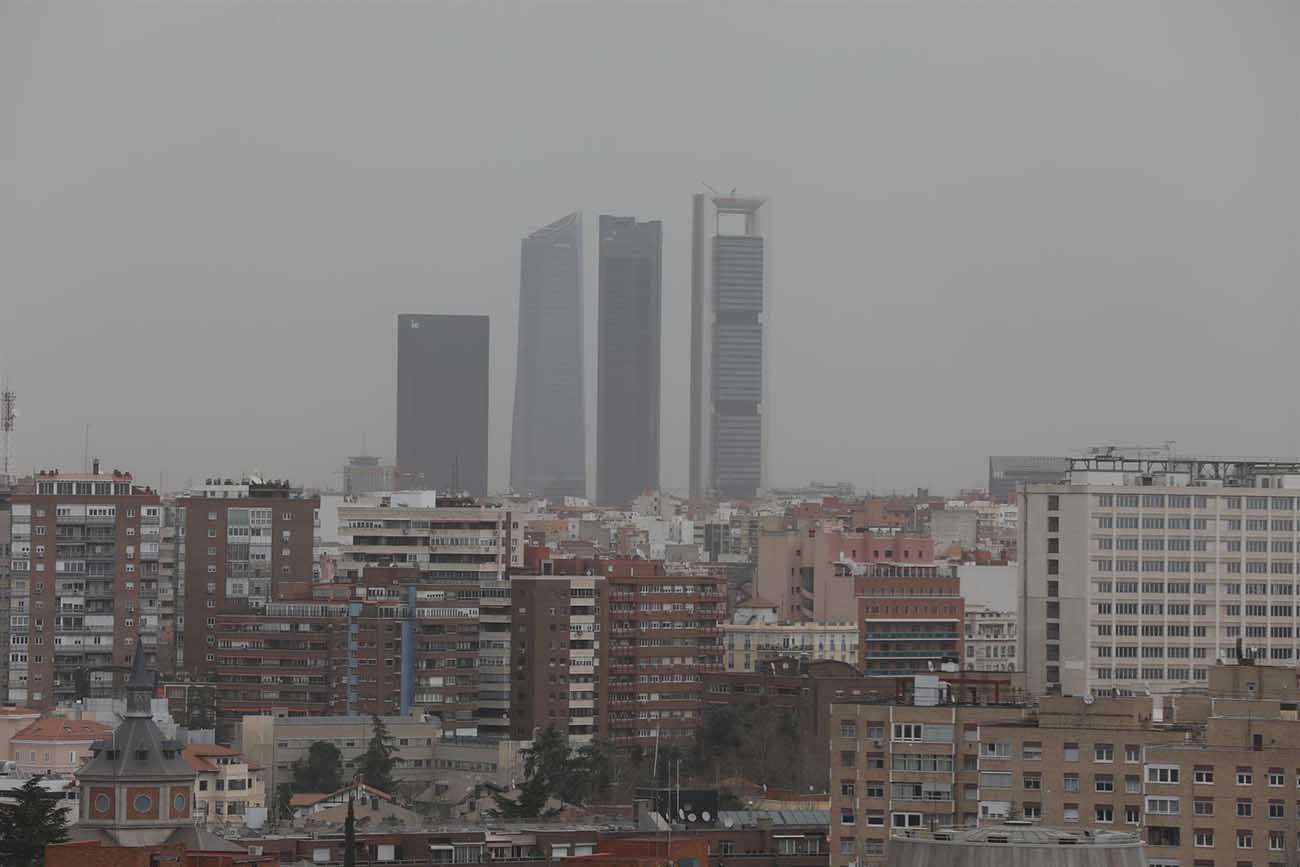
560	655
911	617
83	584
1207	777
239	545
663	637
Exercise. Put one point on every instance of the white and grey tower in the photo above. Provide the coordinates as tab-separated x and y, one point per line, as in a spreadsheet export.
730	303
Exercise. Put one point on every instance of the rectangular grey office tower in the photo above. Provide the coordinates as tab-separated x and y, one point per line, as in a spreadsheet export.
730	261
627	372
548	445
442	402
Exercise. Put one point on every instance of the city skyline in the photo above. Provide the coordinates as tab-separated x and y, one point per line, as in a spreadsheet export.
954	247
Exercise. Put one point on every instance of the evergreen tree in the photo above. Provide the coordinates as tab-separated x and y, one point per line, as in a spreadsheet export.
321	772
350	837
376	766
29	825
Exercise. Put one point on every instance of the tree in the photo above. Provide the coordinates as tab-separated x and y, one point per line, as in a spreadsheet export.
282	794
27	826
321	771
377	762
350	837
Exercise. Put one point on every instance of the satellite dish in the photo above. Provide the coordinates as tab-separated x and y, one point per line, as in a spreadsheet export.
691	817
706	817
1089	698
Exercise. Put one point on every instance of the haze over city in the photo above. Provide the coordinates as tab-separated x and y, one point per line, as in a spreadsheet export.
997	228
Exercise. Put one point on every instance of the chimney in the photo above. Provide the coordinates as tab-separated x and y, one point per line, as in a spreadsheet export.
94	467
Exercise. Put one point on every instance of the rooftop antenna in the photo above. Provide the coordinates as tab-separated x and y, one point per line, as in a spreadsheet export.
7	416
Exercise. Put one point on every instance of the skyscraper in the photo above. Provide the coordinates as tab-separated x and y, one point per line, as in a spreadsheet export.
442	401
548	454
730	255
627	375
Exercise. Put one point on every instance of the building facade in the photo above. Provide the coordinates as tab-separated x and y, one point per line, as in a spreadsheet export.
1142	572
442	402
548	455
992	639
241	544
437	543
748	645
83	584
560	656
911	618
627	369
730	258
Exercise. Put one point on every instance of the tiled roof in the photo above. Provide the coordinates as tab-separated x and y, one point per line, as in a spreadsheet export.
58	729
12	710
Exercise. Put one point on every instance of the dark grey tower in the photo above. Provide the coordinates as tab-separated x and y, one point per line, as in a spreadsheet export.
627	374
442	401
730	261
548	446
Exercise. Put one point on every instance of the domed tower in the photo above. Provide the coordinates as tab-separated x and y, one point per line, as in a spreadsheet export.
137	789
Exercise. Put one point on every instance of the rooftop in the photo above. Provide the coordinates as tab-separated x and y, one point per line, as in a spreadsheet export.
59	729
1020	834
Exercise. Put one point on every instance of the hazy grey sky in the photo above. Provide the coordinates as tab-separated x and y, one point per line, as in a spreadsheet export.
1000	227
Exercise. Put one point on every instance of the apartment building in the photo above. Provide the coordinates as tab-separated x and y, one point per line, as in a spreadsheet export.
560	656
663	637
1071	764
83	583
438	542
910	616
992	639
55	746
797	560
1141	572
226	785
285	658
240	543
748	645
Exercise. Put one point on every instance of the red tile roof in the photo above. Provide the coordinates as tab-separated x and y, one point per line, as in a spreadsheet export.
58	729
198	754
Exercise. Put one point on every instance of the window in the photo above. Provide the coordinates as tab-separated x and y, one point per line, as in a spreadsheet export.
1245	808
995	779
1132	754
1104	783
1032	751
1245	839
906	820
1071	783
1162	806
1204	838
848	728
1163	774
1032	810
1203	807
1032	781
847	788
1132	785
1103	753
1276	809
1132	815
1104	813
1205	774
847	758
1070	813
1275	777
1276	841
1245	776
907	731
997	749
1070	752
1160	836
847	817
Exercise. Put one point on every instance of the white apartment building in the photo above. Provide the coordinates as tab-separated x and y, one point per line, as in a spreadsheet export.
992	639
745	645
454	543
1139	572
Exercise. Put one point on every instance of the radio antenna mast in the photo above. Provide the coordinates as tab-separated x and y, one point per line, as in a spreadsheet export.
7	416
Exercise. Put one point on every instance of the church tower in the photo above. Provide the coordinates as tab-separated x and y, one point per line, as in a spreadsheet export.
137	789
